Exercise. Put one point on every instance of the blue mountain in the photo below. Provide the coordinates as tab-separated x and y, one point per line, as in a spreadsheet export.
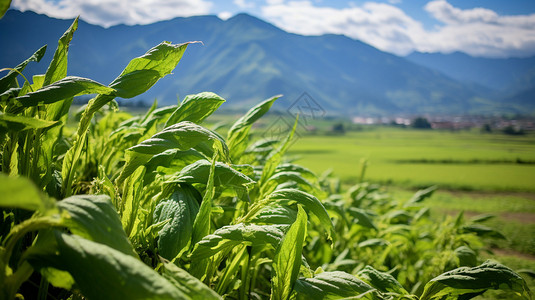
245	60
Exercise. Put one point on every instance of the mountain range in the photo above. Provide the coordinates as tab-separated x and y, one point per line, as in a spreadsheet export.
245	60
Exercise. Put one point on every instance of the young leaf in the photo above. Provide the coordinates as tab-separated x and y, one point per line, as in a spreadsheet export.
227	237
93	217
311	203
17	123
287	260
181	209
239	132
421	195
9	80
195	108
334	285
58	67
465	280
362	218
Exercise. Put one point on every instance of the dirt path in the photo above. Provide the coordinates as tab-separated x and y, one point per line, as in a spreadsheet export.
509	252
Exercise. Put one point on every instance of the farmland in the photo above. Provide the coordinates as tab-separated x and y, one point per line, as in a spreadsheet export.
109	205
418	158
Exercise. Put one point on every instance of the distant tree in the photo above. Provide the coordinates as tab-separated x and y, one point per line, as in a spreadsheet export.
421	123
338	128
511	130
486	128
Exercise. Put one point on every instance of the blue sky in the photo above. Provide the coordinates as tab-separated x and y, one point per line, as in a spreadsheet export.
485	28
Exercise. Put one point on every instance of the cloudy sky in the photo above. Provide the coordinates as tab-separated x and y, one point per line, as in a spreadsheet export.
487	28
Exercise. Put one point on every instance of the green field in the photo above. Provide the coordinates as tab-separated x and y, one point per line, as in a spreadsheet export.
418	158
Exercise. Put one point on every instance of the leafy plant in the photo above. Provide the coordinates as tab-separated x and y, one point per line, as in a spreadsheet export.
160	207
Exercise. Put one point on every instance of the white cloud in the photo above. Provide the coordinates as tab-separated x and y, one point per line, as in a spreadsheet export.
243	4
112	12
224	15
477	31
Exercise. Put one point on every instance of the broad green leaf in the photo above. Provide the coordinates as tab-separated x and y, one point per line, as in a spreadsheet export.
275	215
188	284
361	217
20	192
224	175
143	72
384	282
181	209
182	136
311	203
238	134
9	80
287	259
195	108
102	272
17	123
465	280
229	236
93	217
334	285
421	195
65	88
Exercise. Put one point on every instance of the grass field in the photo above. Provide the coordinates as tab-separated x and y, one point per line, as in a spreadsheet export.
418	158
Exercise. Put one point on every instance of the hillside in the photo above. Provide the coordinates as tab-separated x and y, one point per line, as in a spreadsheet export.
245	59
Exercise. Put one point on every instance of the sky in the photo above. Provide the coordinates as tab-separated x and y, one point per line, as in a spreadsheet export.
481	28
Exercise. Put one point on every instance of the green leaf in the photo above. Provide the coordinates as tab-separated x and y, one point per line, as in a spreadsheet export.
421	195
384	282
65	88
362	218
58	66
311	203
276	215
9	80
20	192
238	134
333	285
483	231
181	209
195	108
199	171
182	136
227	237
93	217
161	59
17	123
143	72
287	260
467	257
465	280
4	6
102	272
188	284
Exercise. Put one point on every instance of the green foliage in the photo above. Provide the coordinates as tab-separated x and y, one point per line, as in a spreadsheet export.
159	207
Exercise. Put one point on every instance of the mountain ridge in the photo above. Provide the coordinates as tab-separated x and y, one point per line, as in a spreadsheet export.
245	60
